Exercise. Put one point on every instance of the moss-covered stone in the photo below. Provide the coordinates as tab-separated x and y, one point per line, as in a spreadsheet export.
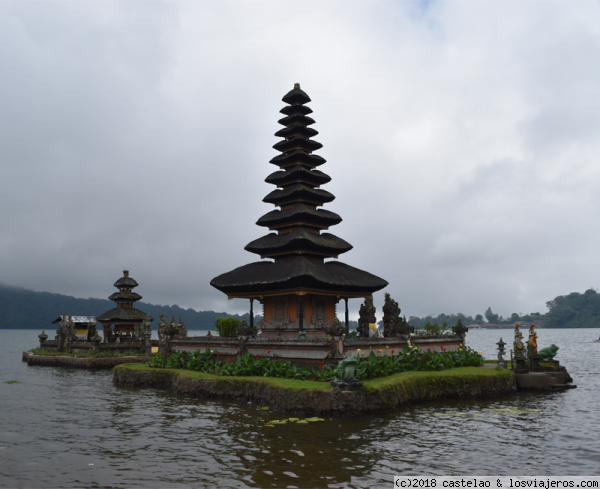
319	398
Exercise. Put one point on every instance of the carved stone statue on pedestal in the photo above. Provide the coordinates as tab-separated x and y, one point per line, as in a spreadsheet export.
366	317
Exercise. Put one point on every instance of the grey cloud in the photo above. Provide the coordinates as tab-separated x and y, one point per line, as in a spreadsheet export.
137	135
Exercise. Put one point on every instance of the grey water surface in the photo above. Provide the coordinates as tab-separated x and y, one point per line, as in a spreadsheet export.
63	427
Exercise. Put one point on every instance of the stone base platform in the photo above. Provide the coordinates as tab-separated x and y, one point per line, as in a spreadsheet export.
311	351
320	398
67	361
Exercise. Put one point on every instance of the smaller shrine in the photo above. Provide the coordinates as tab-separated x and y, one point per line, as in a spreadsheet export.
122	324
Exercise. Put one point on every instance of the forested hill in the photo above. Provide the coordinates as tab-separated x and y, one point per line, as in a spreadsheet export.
565	311
26	309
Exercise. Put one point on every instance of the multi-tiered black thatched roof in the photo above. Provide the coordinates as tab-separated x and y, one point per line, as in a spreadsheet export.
299	246
125	298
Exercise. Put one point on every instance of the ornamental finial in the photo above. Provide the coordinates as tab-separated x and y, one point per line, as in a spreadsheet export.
296	85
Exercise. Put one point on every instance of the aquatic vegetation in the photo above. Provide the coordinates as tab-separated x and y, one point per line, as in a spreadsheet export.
283	422
372	366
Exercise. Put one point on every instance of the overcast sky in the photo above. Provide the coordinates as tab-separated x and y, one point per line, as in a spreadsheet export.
461	138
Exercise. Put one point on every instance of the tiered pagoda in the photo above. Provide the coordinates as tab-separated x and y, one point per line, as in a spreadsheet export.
119	323
298	289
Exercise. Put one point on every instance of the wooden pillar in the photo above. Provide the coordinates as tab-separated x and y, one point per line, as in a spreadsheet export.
252	313
347	322
300	313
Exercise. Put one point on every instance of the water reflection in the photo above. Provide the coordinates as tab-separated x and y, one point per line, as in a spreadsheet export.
60	421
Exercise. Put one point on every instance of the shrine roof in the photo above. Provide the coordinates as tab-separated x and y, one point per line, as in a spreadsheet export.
299	193
126	281
296	119
298	173
299	212
297	273
297	156
296	130
296	96
125	296
299	240
296	109
297	142
76	319
122	314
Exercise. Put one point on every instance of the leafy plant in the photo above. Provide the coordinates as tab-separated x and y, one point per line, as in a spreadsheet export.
374	365
227	326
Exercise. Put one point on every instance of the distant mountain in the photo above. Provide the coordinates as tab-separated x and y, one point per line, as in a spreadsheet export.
26	309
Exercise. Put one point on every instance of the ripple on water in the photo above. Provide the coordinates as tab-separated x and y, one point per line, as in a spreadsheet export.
73	428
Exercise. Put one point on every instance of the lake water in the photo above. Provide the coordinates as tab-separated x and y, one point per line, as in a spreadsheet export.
63	427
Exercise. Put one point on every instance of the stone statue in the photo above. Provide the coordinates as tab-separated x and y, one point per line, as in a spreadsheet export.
244	329
345	369
532	348
366	317
547	354
182	329
518	346
501	362
391	316
460	329
336	328
92	331
42	337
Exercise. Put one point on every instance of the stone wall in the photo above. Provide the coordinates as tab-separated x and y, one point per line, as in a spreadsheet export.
386	397
310	351
67	361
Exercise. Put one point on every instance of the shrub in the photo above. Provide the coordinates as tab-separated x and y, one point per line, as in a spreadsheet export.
227	326
372	366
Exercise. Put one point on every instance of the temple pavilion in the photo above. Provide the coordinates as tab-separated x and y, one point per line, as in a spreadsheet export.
119	323
296	285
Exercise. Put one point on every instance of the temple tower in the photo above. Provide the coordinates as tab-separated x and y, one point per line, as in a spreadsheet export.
119	323
298	289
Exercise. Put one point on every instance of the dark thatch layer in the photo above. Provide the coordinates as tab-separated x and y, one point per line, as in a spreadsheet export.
296	174
296	119
296	130
125	282
296	109
122	314
296	96
125	296
297	157
297	143
298	240
298	193
299	212
300	272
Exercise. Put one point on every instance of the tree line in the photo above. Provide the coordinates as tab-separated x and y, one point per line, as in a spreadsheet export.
27	309
565	311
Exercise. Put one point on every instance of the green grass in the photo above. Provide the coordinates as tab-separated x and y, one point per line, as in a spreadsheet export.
284	383
450	375
453	373
13	382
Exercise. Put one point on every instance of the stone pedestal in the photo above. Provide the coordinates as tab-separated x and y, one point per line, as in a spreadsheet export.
148	343
520	365
534	363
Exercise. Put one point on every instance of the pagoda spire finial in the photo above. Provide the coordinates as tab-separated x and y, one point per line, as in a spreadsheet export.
296	85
